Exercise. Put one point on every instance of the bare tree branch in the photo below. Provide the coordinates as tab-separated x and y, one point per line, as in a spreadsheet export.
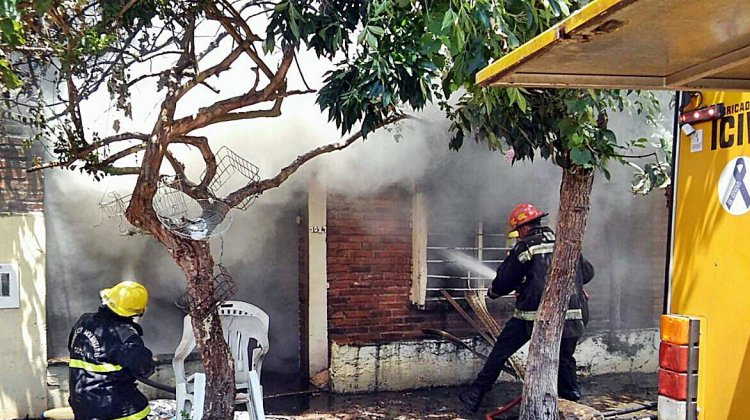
212	45
275	111
239	20
81	152
179	167
255	188
146	76
208	115
114	170
124	9
209	72
121	154
249	49
208	157
248	115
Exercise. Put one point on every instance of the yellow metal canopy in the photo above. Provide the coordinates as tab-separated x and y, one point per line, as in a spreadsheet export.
640	44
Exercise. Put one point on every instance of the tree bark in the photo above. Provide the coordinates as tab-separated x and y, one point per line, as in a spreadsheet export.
194	258
540	383
197	264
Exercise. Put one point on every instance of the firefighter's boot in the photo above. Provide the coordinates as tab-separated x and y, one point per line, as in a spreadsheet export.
569	394
472	398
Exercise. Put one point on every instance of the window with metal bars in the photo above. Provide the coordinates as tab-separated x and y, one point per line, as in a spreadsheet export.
462	256
452	253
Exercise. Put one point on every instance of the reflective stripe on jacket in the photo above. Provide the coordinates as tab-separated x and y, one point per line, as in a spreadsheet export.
525	271
106	355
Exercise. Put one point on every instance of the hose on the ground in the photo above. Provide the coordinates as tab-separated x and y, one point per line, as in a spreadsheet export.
501	410
649	417
642	407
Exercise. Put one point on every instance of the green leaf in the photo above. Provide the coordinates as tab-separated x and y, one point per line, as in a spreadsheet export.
521	101
8	78
42	6
640	143
376	30
581	157
281	6
293	26
11	32
448	19
567	127
9	9
575	140
269	44
371	40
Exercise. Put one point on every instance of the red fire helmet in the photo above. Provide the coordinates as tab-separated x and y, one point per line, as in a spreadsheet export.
523	213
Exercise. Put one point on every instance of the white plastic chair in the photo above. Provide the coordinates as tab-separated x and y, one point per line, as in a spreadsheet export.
240	322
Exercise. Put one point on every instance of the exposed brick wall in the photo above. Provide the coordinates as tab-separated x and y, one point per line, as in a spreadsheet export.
20	192
369	246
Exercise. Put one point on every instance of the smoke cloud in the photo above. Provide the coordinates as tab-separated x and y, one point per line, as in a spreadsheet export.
261	248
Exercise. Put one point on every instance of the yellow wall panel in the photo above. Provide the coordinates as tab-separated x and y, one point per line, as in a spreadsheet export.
711	254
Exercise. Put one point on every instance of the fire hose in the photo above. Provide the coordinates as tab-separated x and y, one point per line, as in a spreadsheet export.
500	410
642	407
157	385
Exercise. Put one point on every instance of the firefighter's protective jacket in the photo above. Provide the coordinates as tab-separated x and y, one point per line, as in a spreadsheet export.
106	355
525	271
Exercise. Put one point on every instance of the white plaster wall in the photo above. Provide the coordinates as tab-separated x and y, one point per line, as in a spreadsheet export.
418	364
23	336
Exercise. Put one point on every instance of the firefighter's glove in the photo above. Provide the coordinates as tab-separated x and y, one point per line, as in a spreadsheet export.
492	295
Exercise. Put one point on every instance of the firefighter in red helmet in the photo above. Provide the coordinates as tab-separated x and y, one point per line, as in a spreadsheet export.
525	270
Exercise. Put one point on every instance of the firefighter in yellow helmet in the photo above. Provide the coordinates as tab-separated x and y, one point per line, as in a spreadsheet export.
107	354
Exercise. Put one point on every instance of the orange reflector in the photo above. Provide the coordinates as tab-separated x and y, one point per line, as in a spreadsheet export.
675	329
673	357
673	384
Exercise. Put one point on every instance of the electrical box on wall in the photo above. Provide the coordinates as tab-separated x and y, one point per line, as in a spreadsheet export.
9	286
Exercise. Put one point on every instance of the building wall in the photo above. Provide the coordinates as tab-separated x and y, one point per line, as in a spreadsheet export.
20	192
412	364
369	250
376	337
87	253
375	332
23	343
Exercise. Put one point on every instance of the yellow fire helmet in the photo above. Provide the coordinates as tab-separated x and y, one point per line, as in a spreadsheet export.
127	298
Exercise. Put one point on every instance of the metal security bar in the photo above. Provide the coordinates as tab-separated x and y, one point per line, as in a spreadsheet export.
461	257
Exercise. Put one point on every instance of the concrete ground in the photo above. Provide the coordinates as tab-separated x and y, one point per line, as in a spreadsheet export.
606	393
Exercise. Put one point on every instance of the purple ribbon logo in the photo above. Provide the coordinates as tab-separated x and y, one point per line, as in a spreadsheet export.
739	172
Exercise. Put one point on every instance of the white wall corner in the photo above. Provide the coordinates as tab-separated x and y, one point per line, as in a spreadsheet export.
318	278
418	291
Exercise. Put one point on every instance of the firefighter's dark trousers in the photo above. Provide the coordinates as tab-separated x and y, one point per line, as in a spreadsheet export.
515	334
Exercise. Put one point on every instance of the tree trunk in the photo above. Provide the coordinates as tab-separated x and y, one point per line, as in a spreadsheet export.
540	383
194	258
197	264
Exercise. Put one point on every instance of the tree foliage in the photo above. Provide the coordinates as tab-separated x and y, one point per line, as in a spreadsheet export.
391	56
